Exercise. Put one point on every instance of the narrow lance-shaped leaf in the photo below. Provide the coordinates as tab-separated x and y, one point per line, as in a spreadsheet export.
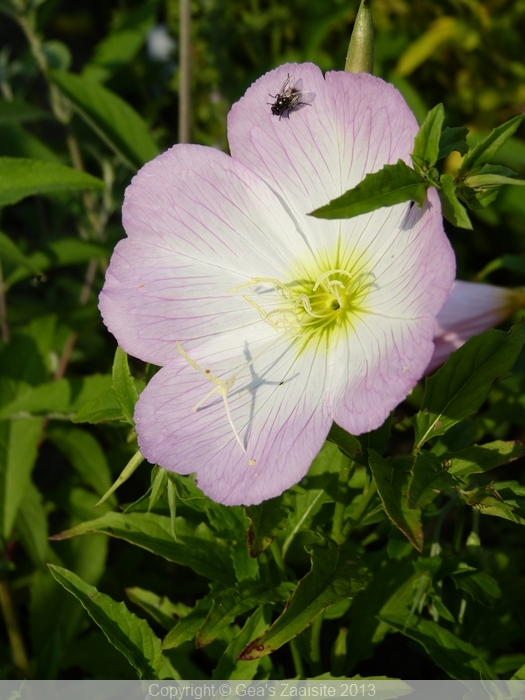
487	148
129	634
124	385
195	547
9	251
266	520
232	602
110	117
458	658
335	575
427	140
453	139
18	452
459	388
429	477
23	177
393	184
482	458
392	480
453	210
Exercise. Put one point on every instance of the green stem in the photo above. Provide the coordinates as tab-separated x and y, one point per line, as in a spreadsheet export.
435	549
316	666
13	629
361	509
3	310
277	556
345	473
184	70
297	661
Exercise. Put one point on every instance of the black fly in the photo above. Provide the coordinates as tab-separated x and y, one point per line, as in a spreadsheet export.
290	96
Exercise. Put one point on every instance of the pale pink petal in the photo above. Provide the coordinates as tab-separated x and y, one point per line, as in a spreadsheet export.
199	224
277	406
471	308
355	125
389	345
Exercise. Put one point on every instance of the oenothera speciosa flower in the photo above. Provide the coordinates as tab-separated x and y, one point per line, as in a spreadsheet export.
471	309
269	324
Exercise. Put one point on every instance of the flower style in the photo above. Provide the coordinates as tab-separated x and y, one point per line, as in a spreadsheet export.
471	308
270	324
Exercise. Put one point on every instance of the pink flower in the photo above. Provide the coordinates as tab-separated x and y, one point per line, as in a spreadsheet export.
270	324
471	308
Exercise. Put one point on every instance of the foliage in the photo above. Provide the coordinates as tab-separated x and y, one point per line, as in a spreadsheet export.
401	552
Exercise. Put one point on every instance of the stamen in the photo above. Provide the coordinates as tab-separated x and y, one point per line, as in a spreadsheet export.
329	274
222	387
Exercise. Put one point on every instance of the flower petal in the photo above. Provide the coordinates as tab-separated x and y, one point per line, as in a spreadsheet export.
390	342
277	407
471	308
199	223
355	125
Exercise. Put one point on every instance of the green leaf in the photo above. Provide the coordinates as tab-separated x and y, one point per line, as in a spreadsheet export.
100	408
457	658
124	385
480	586
18	111
266	521
393	184
62	396
22	177
133	464
482	458
458	389
122	129
229	666
232	602
161	609
31	526
196	547
516	263
9	251
129	634
16	141
519	675
120	47
486	149
427	140
348	444
317	487
453	210
392	480
429	477
335	575
18	452
491	180
159	481
85	454
64	251
453	139
187	628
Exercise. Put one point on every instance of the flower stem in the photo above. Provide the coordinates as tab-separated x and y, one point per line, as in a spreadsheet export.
345	472
277	556
297	661
316	666
184	71
13	628
361	509
3	310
